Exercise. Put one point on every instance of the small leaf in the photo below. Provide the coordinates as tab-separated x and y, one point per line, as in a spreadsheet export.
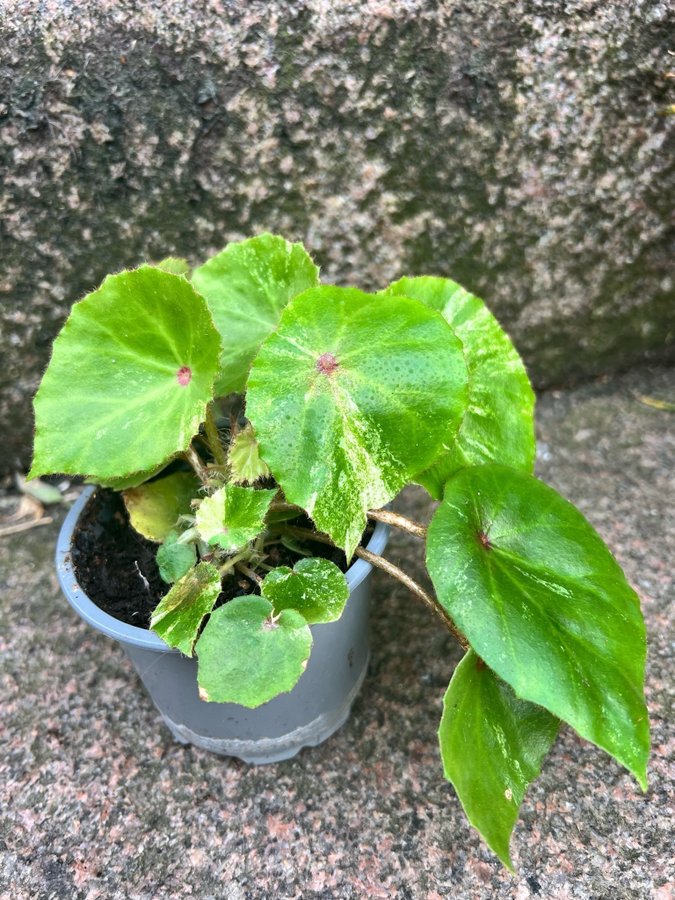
492	747
248	656
175	265
178	616
130	376
315	587
246	286
541	599
244	458
233	516
175	559
350	397
498	425
154	507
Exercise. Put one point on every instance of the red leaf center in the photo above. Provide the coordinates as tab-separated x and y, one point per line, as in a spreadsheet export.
184	376
327	364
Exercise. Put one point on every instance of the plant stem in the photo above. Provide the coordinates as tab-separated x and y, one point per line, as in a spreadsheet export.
230	563
381	563
390	569
248	572
398	521
193	458
213	438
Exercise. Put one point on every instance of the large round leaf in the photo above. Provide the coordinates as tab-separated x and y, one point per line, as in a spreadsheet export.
247	655
541	600
498	425
492	746
130	376
246	286
350	397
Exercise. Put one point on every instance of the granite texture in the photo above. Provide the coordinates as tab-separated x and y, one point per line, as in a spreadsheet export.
97	801
519	146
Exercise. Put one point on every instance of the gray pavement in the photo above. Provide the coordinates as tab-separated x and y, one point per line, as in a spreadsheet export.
99	802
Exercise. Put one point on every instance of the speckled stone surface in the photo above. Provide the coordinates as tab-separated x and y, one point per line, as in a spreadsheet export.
98	801
517	145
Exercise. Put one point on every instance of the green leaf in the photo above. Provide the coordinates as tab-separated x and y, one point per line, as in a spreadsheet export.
244	457
492	747
248	656
233	516
178	616
314	587
246	286
175	265
129	379
154	507
498	425
174	559
350	397
541	600
129	481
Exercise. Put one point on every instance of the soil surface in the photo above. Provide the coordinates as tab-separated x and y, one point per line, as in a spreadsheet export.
116	566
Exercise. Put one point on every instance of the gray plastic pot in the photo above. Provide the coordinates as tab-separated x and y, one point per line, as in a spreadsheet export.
318	705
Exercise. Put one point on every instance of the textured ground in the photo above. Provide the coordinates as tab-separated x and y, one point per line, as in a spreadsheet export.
519	146
97	801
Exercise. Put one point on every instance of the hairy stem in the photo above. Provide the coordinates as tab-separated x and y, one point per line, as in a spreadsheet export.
194	459
231	563
213	438
384	564
398	521
248	572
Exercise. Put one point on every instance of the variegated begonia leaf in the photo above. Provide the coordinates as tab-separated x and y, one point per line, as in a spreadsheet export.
498	425
246	286
130	376
315	587
543	602
247	655
175	559
178	616
350	397
233	515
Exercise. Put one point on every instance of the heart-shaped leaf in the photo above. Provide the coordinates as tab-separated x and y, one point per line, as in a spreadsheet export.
233	515
130	376
154	507
246	286
492	747
498	425
371	392
541	600
247	655
179	615
175	559
314	587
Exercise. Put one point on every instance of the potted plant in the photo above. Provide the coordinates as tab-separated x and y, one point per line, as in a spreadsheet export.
254	422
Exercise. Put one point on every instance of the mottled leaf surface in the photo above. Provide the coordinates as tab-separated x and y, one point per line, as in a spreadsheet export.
371	392
246	286
233	515
244	458
175	559
130	376
498	425
247	655
543	602
314	587
179	614
154	507
492	747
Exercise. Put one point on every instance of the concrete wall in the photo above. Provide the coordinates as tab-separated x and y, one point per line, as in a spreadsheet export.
520	147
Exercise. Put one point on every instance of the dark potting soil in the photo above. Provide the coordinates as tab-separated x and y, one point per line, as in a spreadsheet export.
116	566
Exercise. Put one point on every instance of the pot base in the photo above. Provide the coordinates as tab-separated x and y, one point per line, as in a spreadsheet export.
271	750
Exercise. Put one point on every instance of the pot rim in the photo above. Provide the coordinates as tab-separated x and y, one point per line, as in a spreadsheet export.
143	637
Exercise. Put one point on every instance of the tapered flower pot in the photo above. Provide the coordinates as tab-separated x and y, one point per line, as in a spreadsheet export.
318	705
